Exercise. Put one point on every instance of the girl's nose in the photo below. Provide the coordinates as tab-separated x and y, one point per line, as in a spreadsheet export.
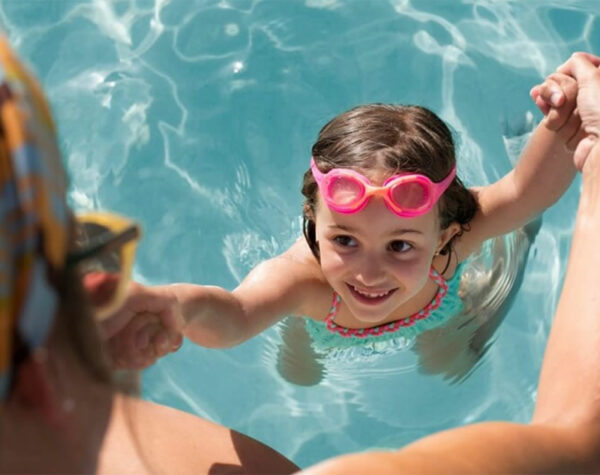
371	272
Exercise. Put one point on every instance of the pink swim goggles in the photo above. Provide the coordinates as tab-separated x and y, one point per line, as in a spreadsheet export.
407	194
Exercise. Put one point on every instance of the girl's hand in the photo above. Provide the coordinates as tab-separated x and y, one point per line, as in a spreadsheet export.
149	325
556	97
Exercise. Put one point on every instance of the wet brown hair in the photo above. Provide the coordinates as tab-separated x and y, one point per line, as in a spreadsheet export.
391	139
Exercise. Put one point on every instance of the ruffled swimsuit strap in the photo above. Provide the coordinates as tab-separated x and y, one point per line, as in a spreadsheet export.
391	326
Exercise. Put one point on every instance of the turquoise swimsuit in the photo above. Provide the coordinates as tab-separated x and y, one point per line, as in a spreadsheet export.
324	340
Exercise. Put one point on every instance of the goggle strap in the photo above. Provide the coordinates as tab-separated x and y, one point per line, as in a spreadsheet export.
317	174
443	185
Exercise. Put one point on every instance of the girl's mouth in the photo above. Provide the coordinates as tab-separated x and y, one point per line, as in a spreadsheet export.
370	298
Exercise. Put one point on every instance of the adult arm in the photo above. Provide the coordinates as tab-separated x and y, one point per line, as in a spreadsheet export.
570	378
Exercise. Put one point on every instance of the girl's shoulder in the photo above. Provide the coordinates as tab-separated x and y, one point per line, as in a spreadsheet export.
299	259
282	285
309	281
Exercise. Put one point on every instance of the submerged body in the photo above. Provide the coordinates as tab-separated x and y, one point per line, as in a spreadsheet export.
450	341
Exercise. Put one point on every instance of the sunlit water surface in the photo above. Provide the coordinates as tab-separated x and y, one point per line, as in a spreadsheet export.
197	117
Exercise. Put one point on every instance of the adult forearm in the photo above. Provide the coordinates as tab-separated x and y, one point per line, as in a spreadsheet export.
492	447
569	390
214	318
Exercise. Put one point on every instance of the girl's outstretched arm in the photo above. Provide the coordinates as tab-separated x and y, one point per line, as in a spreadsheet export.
542	174
153	320
276	288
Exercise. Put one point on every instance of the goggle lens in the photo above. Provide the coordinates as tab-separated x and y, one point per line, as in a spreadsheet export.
409	196
406	194
344	191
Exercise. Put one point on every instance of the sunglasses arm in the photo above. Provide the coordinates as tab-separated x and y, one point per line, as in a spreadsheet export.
103	245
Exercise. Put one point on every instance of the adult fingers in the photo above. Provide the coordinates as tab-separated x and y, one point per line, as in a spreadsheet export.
139	332
136	300
134	341
166	342
161	301
582	152
140	299
171	316
162	343
177	342
580	66
575	129
114	323
140	360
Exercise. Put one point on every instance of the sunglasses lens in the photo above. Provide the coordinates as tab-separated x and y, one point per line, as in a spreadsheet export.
409	196
344	191
107	261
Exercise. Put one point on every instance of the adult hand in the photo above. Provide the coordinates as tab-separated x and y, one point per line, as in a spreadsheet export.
147	326
584	68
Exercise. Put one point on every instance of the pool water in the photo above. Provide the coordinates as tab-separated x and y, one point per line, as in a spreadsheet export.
197	118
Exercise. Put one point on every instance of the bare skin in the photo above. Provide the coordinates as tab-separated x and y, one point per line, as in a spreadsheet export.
137	442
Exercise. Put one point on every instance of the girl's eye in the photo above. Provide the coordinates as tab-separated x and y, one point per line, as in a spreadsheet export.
345	241
400	246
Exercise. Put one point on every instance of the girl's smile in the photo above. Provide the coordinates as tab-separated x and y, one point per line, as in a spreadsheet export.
370	297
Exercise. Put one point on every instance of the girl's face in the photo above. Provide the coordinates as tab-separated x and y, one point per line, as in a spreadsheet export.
375	260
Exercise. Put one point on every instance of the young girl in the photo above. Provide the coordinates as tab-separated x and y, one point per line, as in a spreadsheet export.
387	226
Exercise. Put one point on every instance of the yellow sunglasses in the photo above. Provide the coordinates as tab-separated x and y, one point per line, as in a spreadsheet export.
105	251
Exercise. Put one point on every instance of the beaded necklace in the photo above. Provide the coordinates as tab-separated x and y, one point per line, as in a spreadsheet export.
391	326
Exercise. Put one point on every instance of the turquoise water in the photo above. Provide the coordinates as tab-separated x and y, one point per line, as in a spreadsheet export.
197	117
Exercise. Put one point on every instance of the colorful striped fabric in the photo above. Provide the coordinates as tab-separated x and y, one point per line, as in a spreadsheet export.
33	215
